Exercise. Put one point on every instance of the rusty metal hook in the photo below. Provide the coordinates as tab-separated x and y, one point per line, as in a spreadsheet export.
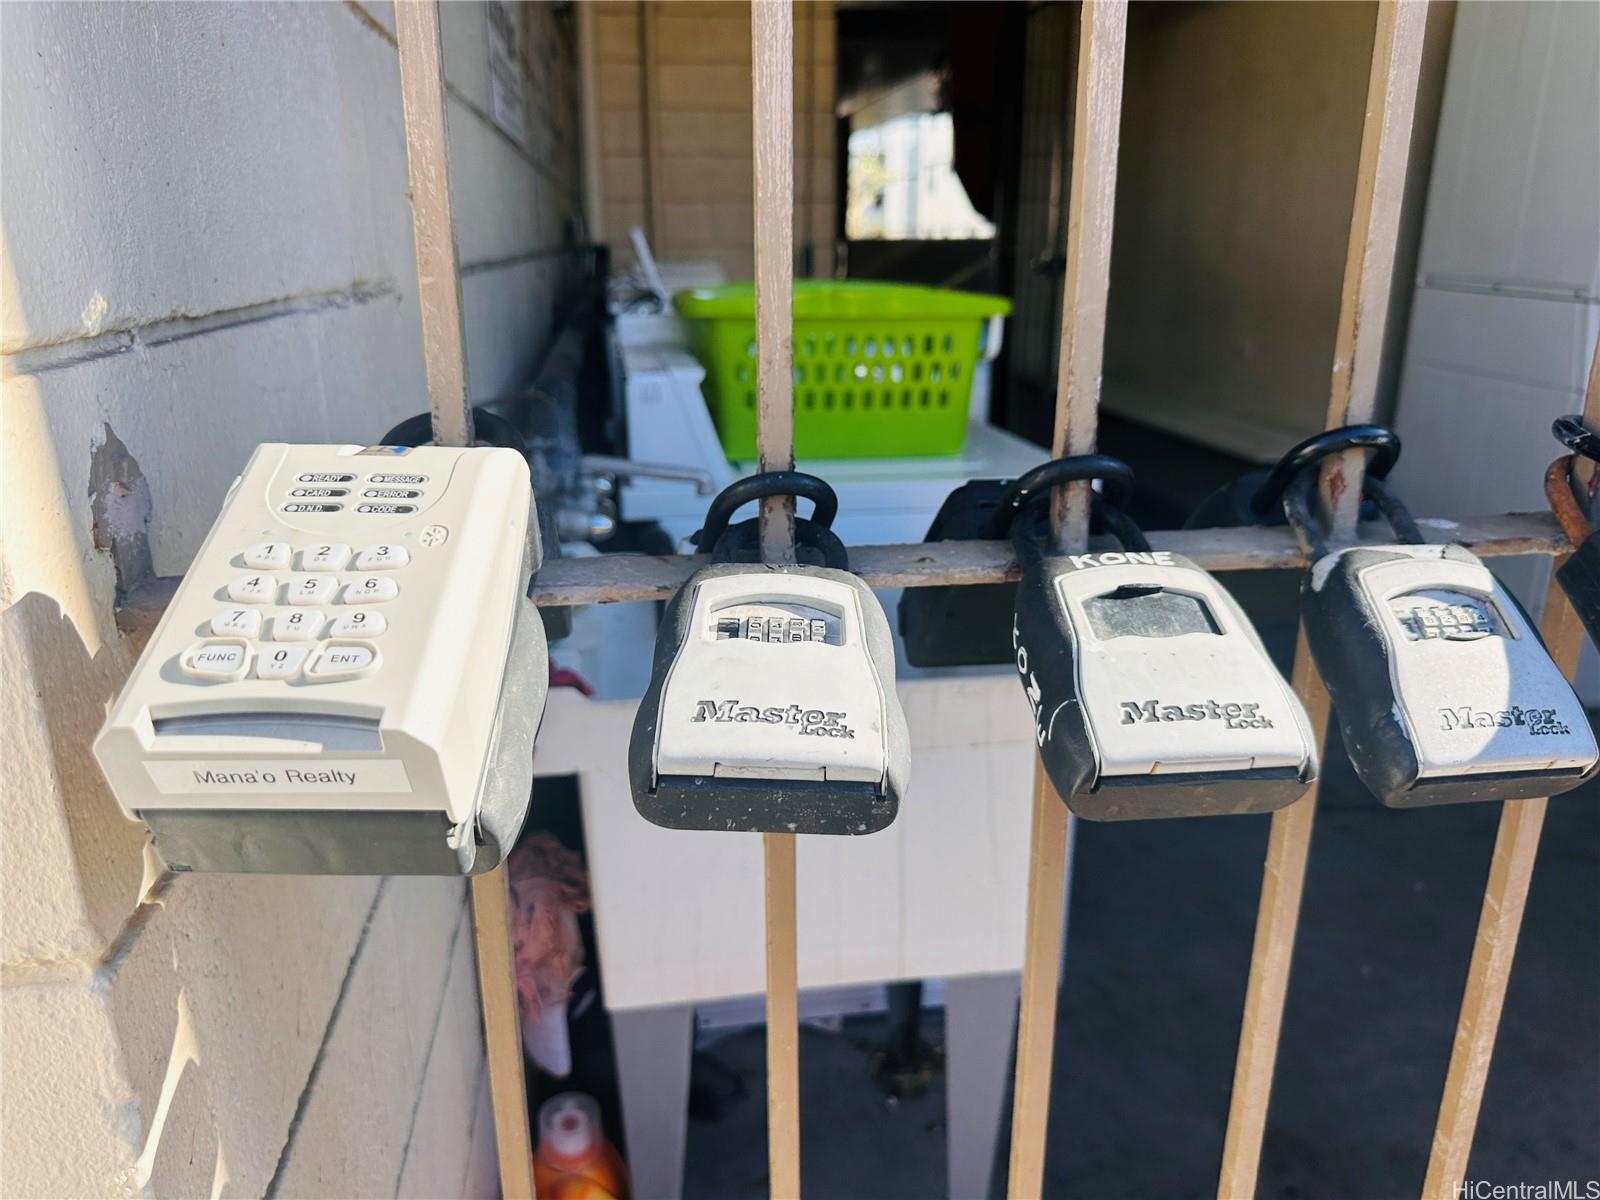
1561	491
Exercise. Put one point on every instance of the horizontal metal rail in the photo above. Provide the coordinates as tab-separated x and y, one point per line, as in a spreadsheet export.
615	578
612	578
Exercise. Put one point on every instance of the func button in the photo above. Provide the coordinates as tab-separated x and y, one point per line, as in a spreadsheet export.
220	660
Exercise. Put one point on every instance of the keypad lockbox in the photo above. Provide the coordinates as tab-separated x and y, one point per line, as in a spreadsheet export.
330	684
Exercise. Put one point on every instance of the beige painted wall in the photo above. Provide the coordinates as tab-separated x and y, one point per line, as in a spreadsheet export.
207	244
1241	131
1236	174
673	103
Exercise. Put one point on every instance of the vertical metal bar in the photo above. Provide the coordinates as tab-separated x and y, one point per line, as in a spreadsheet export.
444	351
1049	833
416	27
772	82
1091	204
1283	879
783	1014
1504	899
1363	308
772	46
1374	232
502	1032
1096	121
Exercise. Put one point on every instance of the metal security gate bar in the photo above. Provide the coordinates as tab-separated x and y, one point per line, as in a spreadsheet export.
1097	115
1097	110
1363	309
772	76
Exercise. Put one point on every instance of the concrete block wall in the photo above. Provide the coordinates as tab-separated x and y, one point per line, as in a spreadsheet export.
205	242
673	117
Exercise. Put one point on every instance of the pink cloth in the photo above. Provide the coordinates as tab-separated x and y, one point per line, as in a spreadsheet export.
547	881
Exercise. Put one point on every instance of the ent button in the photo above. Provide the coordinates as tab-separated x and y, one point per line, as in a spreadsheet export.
382	557
343	660
216	660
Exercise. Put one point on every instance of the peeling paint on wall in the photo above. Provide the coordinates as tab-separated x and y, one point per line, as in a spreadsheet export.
94	312
119	498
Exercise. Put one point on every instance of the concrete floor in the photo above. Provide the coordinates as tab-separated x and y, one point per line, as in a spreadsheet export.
1162	919
1148	1021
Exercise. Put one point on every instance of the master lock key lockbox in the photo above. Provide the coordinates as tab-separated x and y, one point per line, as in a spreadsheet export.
1152	693
1443	690
771	706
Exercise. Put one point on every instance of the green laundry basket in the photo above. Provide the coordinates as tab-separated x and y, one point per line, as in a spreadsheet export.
881	370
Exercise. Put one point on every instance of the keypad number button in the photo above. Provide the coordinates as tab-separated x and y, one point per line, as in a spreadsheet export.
324	557
220	661
281	662
267	556
237	622
343	660
383	557
370	589
302	625
359	624
312	589
253	589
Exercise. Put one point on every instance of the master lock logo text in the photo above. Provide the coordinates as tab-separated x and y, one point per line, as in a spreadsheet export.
1232	716
1537	721
808	722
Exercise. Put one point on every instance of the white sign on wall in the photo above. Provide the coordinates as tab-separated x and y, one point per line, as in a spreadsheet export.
508	77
